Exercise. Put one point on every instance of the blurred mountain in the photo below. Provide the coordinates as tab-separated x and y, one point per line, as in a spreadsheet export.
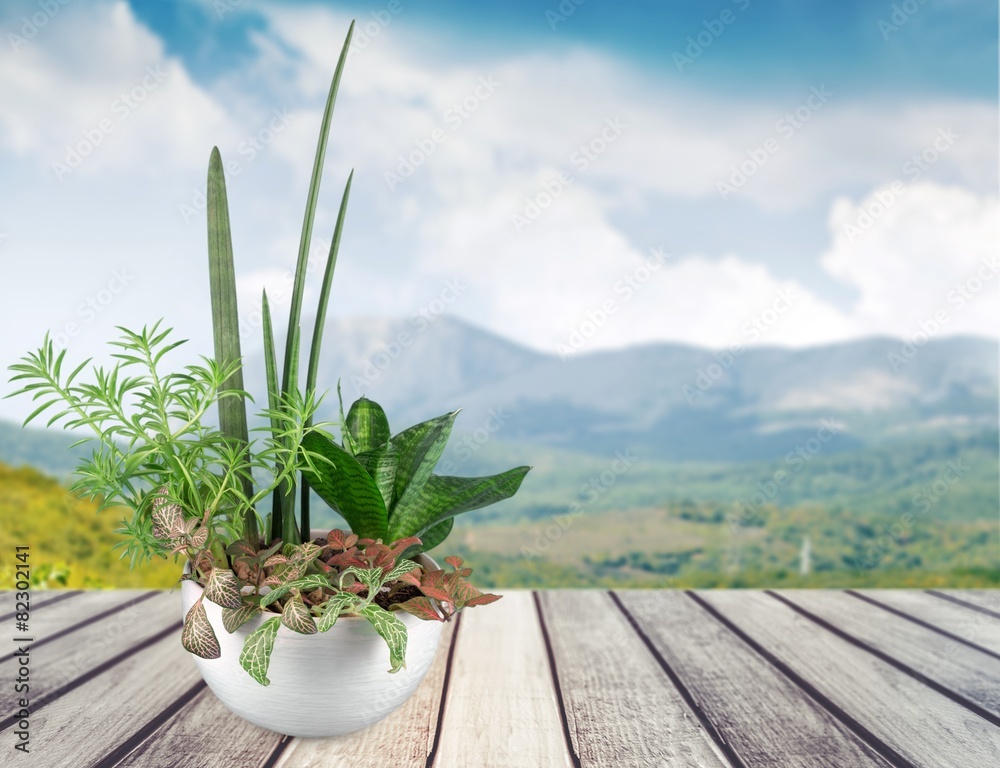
668	401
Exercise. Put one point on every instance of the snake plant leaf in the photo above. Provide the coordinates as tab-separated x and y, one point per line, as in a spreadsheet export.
324	293
443	497
295	310
381	465
420	448
226	321
256	655
432	537
234	618
223	588
198	637
346	486
392	630
271	377
297	618
367	424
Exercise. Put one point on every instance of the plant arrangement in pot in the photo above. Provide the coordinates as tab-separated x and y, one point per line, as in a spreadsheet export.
277	615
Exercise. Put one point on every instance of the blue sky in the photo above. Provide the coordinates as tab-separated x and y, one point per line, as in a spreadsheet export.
807	150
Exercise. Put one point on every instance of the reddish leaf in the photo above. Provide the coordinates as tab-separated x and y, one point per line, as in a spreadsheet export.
454	561
198	637
420	607
484	599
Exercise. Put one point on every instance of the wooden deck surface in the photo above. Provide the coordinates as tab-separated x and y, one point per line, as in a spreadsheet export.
792	679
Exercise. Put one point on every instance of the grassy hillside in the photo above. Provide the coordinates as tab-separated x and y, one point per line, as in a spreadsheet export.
71	544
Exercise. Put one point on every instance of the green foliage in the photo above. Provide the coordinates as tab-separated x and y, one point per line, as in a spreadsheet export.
150	432
311	585
388	489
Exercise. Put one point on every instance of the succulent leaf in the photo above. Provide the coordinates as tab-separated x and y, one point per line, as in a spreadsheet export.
381	464
368	425
420	448
345	485
443	497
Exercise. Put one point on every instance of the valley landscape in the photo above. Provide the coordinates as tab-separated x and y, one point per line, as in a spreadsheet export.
661	465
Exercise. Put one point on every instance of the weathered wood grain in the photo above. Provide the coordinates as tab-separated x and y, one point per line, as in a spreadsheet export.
767	720
110	708
971	626
928	729
501	709
97	605
204	733
402	740
956	667
38	601
620	707
76	654
983	598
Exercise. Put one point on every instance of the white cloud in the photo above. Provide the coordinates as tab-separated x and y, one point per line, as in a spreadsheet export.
927	249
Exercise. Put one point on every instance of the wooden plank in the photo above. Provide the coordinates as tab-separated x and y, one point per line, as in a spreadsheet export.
765	718
973	627
77	654
988	599
111	708
403	740
40	600
501	709
48	626
973	675
185	741
620	707
923	726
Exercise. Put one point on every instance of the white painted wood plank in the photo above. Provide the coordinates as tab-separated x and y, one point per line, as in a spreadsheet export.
769	721
501	709
204	733
984	598
402	740
928	729
59	662
975	627
621	707
83	726
955	666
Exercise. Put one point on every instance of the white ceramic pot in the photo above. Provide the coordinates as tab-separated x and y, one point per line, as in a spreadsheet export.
325	684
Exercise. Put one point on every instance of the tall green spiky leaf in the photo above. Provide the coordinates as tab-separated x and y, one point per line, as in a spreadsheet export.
368	425
271	375
443	497
420	448
295	311
324	292
345	485
225	319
